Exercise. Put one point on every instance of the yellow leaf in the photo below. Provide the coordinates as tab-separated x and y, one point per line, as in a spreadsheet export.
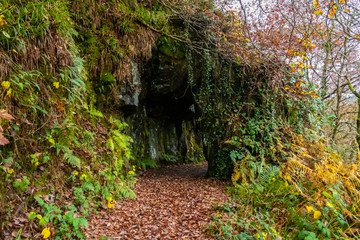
39	216
11	171
317	215
5	84
329	205
310	209
46	233
51	141
263	235
319	12
56	84
2	21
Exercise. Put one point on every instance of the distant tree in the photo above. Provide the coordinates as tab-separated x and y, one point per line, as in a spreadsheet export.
320	42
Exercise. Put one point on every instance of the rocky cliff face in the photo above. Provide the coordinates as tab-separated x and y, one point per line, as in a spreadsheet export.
141	74
160	109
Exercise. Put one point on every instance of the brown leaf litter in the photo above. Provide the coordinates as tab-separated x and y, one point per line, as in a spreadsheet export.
173	202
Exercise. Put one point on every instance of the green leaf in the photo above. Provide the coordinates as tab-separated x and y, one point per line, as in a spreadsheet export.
6	34
110	144
96	113
327	195
40	201
46	159
88	186
7	160
32	216
82	222
43	221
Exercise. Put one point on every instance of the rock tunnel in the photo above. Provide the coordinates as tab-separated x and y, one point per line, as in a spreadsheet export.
161	111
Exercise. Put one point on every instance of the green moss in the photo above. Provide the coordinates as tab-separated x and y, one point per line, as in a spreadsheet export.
171	48
194	152
42	192
107	77
41	180
25	20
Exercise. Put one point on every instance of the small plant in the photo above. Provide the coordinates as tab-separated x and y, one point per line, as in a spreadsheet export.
168	158
22	185
66	223
145	163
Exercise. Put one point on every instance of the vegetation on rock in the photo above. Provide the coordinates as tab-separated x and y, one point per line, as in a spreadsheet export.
265	105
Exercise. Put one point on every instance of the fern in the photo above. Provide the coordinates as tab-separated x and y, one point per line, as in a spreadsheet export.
268	173
146	162
295	171
121	143
110	144
71	158
96	113
329	170
126	192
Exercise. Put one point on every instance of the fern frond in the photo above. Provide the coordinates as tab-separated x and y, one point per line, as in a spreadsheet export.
269	172
96	113
110	144
293	171
71	158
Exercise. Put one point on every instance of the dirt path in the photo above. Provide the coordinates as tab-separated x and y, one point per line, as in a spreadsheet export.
173	202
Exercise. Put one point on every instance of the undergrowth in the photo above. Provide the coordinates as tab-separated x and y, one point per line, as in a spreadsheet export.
313	195
288	183
62	160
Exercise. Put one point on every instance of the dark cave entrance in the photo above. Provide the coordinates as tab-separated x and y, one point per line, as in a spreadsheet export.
163	126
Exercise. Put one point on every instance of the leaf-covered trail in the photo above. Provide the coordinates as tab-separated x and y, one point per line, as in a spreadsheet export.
173	202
